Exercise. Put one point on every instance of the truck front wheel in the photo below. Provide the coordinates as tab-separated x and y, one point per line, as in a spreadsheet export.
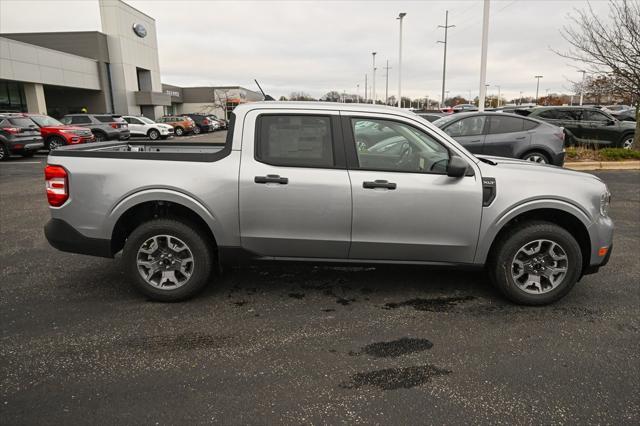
168	260
537	263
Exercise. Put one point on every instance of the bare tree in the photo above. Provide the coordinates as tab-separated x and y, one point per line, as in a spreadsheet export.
300	96
610	49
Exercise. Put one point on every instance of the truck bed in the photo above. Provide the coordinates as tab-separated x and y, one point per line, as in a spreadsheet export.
146	150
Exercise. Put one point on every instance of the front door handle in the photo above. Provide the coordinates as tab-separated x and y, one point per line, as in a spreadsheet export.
271	179
378	184
475	140
520	138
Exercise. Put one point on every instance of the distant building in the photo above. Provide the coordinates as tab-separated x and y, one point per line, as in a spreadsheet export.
217	100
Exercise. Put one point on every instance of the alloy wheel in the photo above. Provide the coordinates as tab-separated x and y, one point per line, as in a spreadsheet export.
536	158
539	266
165	262
54	143
628	143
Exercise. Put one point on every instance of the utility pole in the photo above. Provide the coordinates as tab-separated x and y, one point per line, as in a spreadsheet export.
365	88
582	86
400	18
373	85
483	57
537	77
386	86
446	27
358	92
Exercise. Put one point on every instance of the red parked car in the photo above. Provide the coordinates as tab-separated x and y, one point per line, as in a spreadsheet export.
56	134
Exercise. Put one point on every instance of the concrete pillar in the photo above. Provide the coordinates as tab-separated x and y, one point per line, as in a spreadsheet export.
34	94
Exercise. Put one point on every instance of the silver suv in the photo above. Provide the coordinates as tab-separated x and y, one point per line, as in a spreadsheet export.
296	182
105	127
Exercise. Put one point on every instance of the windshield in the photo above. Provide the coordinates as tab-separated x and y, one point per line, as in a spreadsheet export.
146	120
440	122
45	120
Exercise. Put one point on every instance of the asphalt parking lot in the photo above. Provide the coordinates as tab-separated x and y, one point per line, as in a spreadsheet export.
308	344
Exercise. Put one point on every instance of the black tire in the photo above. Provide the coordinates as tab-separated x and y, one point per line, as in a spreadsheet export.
179	131
196	130
100	137
153	134
537	157
502	256
626	141
55	142
199	247
4	152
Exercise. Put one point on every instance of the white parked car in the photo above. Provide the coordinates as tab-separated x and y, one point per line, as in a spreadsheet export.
143	126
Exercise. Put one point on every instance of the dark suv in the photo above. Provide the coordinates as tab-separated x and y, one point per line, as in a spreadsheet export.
203	122
105	127
18	135
588	125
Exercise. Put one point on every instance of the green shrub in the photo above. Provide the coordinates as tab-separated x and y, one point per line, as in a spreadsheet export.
580	153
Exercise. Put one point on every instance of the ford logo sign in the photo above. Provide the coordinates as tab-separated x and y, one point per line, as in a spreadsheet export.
140	30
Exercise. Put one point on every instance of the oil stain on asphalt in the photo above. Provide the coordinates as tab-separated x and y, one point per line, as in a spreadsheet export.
396	378
395	348
438	304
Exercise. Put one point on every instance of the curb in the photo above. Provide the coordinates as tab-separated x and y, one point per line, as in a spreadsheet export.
603	165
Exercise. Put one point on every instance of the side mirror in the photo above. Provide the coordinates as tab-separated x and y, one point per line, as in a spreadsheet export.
611	122
457	167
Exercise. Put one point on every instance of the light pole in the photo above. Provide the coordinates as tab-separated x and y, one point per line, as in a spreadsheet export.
373	85
365	88
483	56
537	77
582	86
358	92
521	97
498	95
400	18
446	27
486	87
386	85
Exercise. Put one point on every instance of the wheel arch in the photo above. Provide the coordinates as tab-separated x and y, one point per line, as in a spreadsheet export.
562	214
134	210
152	129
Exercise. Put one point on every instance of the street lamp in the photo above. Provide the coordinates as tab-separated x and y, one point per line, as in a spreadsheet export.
373	85
400	18
537	77
521	97
582	85
358	92
498	95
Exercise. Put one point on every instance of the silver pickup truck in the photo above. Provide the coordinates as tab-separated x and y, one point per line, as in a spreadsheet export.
295	182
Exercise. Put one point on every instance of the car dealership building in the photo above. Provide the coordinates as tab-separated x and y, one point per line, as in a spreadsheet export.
115	70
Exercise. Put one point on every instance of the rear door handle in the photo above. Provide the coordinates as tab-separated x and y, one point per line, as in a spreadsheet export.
521	137
475	140
378	184
271	179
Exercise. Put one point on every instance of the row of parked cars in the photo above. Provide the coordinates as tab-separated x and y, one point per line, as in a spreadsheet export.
24	134
537	134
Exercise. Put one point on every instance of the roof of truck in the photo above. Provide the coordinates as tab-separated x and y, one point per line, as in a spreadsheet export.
328	106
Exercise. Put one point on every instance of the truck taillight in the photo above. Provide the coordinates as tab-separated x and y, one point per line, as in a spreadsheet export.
57	183
115	125
12	130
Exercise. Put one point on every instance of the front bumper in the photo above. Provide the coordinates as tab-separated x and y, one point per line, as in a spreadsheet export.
558	159
601	236
65	237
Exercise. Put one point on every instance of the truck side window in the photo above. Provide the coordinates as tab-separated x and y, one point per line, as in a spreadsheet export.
392	146
294	140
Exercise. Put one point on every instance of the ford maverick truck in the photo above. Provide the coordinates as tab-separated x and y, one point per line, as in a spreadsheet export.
297	182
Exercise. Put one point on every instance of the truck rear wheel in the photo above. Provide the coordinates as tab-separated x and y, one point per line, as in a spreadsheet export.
537	264
168	260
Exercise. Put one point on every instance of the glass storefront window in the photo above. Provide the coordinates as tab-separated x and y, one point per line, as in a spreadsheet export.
12	96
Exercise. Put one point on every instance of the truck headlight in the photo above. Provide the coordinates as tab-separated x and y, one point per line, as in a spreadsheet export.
605	202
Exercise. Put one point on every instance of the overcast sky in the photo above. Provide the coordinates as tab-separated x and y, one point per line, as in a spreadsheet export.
317	46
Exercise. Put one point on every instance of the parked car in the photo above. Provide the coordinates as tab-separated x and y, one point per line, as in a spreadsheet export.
613	109
290	183
203	122
55	134
506	135
143	126
626	115
221	121
588	125
105	127
181	124
18	135
464	108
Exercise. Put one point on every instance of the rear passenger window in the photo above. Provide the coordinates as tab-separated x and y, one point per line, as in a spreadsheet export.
504	124
295	140
79	119
528	125
105	118
551	114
